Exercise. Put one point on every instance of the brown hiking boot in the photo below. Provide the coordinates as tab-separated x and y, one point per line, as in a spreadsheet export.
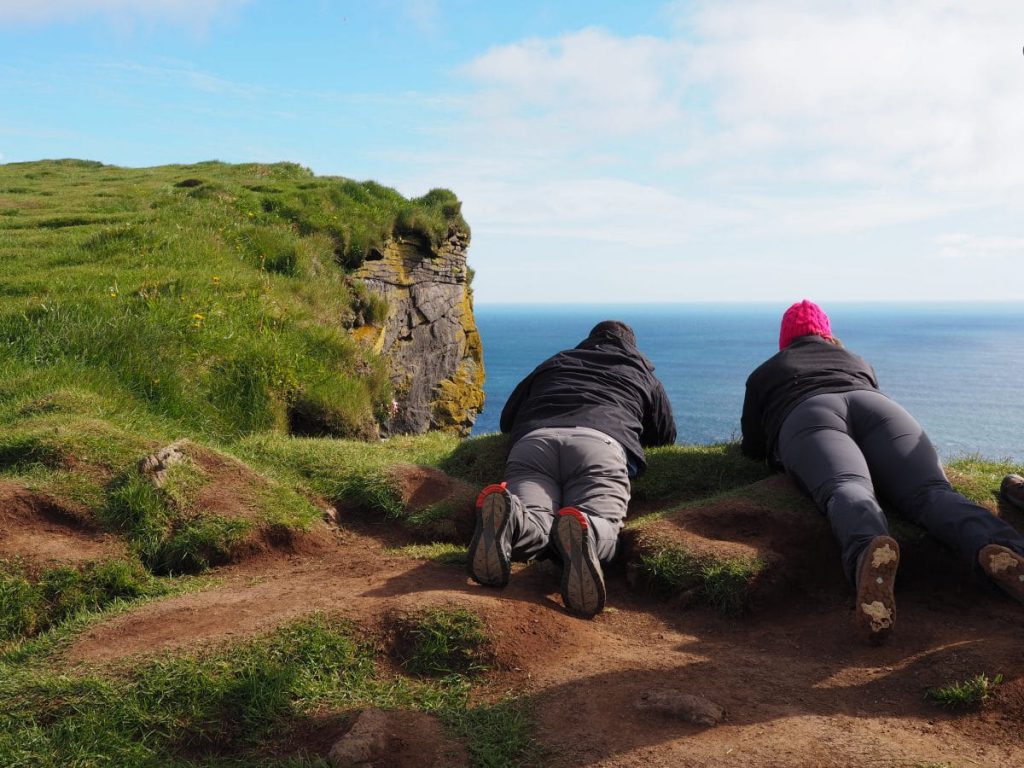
1005	567
875	612
1012	490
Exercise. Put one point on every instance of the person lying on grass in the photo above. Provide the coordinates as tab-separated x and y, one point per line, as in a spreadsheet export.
579	423
814	409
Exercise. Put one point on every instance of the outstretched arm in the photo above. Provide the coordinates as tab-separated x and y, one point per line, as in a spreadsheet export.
659	427
514	402
755	440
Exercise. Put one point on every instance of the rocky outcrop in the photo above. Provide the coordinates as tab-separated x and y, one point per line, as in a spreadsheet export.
428	333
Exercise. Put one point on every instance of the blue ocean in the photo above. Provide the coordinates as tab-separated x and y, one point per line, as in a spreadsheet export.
957	368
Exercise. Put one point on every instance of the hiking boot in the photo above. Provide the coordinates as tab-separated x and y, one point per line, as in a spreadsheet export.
1012	490
1005	567
582	580
490	549
876	576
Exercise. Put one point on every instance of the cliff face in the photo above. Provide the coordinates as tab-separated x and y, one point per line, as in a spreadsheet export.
428	334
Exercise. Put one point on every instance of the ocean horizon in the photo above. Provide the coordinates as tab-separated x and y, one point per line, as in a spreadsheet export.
956	366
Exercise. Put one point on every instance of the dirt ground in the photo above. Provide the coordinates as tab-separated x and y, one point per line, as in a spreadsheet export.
36	529
799	688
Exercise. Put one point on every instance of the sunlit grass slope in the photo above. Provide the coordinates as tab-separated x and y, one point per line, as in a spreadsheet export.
215	297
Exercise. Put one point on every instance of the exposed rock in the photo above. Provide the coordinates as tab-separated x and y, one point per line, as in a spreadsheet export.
155	465
365	742
685	706
397	739
429	335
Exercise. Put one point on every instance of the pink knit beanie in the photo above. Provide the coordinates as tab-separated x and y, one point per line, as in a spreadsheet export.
803	318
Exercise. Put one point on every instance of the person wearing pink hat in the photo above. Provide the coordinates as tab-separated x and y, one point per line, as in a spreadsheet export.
814	409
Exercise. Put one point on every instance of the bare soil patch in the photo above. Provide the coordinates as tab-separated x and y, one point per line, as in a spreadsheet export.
41	530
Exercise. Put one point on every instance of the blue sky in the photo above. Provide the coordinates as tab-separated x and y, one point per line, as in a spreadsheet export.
751	150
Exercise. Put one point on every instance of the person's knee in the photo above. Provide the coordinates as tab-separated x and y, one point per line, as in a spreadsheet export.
852	497
845	490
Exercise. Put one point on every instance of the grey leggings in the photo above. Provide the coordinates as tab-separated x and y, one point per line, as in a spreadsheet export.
557	467
843	447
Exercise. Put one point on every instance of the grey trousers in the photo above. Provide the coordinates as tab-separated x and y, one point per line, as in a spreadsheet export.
844	447
557	467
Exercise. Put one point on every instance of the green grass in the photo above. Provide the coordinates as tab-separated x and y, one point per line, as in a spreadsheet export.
478	460
498	735
964	695
441	642
349	470
724	584
978	479
679	473
440	552
235	706
32	601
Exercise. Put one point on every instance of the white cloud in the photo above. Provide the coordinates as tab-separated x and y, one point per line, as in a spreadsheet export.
191	13
928	89
921	92
585	85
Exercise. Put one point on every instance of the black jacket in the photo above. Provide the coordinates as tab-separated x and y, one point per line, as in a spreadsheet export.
810	365
604	383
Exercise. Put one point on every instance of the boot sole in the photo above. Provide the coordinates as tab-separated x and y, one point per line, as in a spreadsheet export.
583	591
1005	567
1012	492
876	604
488	564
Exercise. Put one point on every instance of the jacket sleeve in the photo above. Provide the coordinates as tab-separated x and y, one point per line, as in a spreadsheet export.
755	440
874	376
515	402
659	427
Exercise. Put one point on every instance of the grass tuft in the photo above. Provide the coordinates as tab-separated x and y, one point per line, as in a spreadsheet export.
965	695
498	735
446	554
442	642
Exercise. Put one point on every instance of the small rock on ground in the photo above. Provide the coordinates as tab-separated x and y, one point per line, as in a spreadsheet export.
365	742
155	465
397	739
685	706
